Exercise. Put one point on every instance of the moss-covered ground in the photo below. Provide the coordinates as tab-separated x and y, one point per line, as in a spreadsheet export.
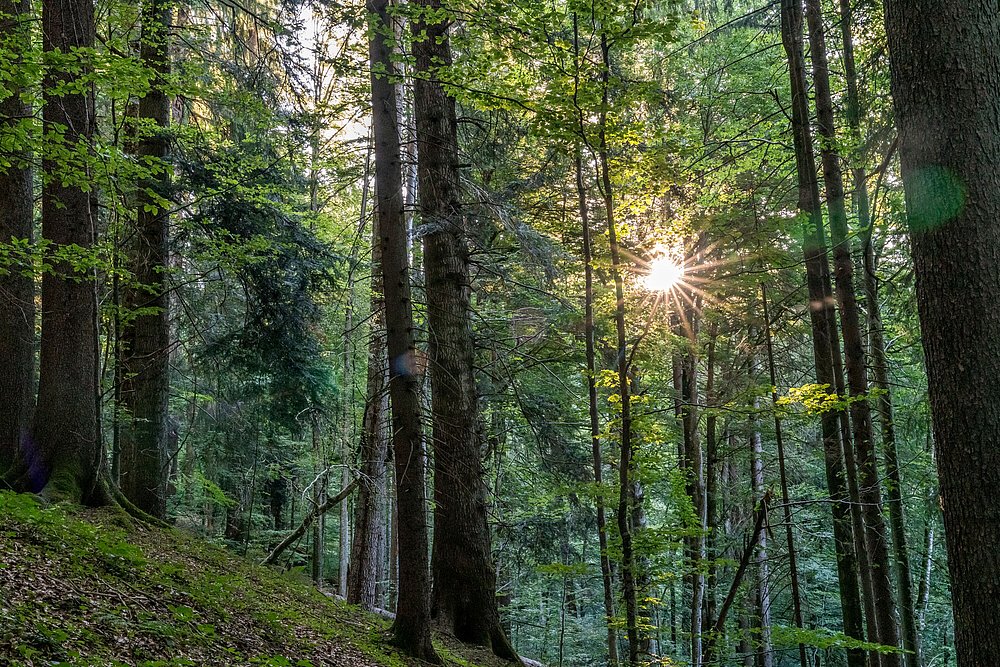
91	588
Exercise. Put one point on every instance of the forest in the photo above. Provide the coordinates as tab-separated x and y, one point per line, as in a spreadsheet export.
585	332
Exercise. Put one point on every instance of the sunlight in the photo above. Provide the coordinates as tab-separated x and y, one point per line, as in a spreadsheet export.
664	274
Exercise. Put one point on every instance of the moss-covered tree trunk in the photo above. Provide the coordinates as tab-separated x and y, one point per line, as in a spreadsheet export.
67	455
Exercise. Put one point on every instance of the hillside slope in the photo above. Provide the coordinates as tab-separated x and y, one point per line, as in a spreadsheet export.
89	588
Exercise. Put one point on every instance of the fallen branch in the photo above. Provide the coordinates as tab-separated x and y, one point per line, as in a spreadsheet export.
720	623
330	503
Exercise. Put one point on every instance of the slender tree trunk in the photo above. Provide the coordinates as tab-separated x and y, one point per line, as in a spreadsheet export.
464	598
411	628
625	465
945	70
793	572
897	522
765	650
595	425
711	490
860	410
367	549
69	455
821	315
17	289
145	338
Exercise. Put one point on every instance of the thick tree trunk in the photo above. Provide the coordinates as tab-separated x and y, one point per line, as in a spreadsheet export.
17	290
369	531
411	627
857	380
594	411
945	66
145	337
464	597
821	315
68	454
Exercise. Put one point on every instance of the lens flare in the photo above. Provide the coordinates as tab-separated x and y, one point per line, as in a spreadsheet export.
664	274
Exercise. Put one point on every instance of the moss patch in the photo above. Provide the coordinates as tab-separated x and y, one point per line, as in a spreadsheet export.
83	587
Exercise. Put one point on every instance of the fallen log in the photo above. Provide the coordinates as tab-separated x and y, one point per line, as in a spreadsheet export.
330	503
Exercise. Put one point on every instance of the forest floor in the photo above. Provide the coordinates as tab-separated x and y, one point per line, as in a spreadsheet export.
92	588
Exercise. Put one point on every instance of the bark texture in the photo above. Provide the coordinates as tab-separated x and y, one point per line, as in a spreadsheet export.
145	334
66	455
411	627
945	67
368	548
464	598
17	290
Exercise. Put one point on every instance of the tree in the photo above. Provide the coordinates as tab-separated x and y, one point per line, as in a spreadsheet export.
69	454
17	289
822	315
411	629
945	66
464	599
146	326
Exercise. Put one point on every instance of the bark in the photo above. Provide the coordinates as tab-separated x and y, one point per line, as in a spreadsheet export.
17	290
897	521
625	464
67	455
821	316
711	489
793	572
764	649
145	336
411	628
945	72
693	466
464	597
857	380
594	411
369	535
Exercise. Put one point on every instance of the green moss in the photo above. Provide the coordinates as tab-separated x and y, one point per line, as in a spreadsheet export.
87	589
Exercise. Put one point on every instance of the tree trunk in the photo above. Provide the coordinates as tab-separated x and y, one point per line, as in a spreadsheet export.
69	454
857	380
793	573
369	534
897	522
145	337
17	289
464	598
821	315
764	649
595	426
411	628
945	67
625	465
